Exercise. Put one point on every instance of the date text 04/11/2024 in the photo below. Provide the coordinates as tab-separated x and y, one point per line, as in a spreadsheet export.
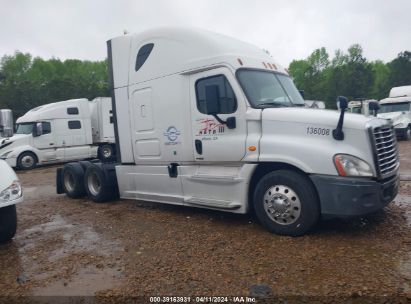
202	299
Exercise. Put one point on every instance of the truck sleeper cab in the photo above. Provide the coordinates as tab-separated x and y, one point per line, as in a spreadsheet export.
205	120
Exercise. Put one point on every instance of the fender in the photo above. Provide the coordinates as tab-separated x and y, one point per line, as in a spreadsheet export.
15	151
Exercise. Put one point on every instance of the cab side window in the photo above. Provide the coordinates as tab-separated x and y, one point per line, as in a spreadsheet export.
46	127
227	102
74	124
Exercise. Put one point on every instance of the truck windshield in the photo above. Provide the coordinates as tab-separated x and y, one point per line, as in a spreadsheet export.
25	128
394	107
267	89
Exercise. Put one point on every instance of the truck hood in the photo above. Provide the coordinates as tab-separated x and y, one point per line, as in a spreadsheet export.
390	115
17	138
304	138
7	175
317	117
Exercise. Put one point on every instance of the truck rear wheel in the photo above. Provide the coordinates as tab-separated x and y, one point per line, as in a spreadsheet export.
98	185
8	223
73	180
26	161
286	203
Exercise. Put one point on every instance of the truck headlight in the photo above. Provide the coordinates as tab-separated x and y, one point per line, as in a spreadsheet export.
348	165
400	125
11	193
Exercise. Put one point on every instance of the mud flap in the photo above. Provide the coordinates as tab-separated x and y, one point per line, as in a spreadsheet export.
59	181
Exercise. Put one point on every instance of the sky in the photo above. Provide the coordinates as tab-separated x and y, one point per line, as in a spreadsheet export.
289	30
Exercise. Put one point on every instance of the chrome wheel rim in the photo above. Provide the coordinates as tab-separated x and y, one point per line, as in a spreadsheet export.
27	161
69	181
94	184
106	152
282	204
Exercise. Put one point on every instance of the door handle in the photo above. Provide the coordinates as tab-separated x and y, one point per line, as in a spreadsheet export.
199	146
51	144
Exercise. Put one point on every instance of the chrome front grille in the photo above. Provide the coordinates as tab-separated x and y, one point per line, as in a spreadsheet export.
386	154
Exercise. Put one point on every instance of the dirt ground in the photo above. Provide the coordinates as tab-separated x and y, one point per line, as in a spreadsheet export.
70	247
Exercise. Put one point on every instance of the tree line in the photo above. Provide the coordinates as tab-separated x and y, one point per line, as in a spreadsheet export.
27	82
349	74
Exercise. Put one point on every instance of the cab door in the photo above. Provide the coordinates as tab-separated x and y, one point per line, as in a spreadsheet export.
45	142
213	139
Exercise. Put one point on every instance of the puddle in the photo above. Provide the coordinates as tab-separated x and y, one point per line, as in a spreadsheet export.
32	193
86	282
404	201
49	256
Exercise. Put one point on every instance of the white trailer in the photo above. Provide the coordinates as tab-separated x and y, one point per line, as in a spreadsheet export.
10	194
206	120
59	132
397	108
6	123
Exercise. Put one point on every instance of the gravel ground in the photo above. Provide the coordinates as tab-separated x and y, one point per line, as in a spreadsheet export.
128	248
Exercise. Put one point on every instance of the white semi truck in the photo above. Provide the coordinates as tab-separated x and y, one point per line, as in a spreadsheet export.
364	106
11	193
397	108
6	123
59	132
205	120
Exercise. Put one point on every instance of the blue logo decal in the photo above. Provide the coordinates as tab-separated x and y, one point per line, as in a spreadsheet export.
172	133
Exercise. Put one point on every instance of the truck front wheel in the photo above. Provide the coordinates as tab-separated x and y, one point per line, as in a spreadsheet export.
286	203
26	161
408	133
105	152
8	223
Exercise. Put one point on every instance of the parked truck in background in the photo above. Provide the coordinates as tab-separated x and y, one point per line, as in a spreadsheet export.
59	132
11	193
314	104
397	108
205	120
367	107
6	123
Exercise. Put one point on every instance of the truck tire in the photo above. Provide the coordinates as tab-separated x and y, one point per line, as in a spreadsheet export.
98	184
408	133
8	223
105	152
73	180
286	203
84	164
27	161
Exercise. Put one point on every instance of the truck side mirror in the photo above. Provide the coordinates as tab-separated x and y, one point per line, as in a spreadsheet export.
38	129
374	107
302	93
212	99
342	102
